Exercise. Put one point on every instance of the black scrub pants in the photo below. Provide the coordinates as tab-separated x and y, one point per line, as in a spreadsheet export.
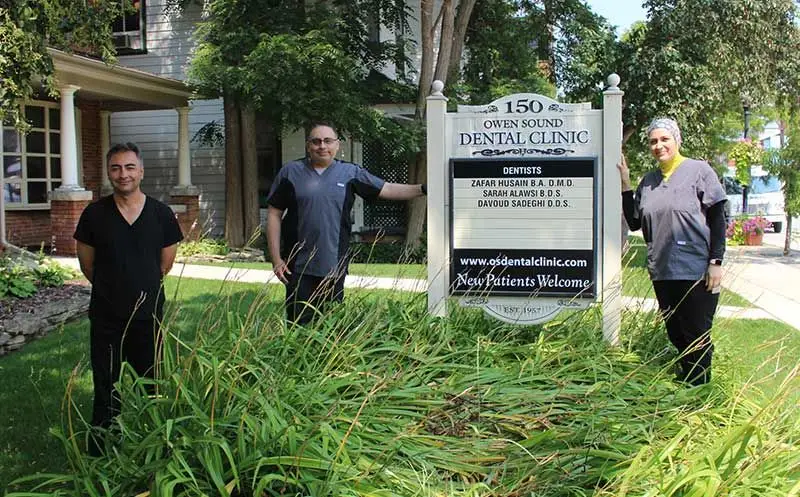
306	294
112	342
688	311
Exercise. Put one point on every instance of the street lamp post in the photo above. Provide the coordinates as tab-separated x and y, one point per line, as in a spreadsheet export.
745	188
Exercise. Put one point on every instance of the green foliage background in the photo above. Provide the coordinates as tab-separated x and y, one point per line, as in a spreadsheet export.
298	63
29	27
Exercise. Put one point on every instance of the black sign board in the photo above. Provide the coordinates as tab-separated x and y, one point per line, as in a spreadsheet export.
524	227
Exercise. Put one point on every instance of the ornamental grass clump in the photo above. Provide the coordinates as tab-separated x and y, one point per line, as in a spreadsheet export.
378	399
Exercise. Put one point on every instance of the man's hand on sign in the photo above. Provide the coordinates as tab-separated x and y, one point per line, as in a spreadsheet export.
281	270
624	173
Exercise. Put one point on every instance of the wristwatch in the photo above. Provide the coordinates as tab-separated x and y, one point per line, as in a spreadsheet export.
715	262
423	188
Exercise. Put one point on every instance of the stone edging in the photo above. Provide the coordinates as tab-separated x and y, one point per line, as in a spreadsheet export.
23	327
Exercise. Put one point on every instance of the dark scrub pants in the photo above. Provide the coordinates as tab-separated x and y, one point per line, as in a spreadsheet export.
112	342
688	311
306	295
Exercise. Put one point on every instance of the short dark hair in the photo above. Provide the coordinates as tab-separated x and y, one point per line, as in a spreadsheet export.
124	147
316	124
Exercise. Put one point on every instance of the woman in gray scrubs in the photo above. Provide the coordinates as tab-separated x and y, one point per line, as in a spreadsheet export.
680	208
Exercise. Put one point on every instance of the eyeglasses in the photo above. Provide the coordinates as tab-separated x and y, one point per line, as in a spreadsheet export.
318	141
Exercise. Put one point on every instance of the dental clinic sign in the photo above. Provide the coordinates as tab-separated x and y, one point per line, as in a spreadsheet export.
524	206
524	125
524	133
523	227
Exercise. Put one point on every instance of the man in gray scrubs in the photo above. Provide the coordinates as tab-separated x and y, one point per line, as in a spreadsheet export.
308	221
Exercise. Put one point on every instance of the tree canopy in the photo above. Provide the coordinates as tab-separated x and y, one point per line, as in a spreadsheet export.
29	27
696	61
501	56
297	62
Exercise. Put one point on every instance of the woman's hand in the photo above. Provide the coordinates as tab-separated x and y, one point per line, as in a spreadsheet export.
624	174
713	278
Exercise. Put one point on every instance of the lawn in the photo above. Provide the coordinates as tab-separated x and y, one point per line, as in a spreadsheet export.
752	353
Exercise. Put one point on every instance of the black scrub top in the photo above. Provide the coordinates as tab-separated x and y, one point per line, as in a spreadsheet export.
127	260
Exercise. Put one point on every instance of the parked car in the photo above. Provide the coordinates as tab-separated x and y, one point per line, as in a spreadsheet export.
764	197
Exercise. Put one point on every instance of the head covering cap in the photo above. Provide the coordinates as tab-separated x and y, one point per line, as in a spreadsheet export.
665	123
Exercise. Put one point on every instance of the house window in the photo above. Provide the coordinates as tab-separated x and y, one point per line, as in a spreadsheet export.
129	29
32	162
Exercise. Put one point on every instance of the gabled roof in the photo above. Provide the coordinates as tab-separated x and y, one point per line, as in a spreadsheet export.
118	88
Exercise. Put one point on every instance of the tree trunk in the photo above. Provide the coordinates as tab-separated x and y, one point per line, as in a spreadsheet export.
234	225
417	208
417	173
787	244
416	212
448	14
787	241
546	40
250	208
627	133
463	16
426	64
451	45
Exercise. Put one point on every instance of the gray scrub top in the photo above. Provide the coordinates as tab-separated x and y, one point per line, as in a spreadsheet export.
315	232
673	217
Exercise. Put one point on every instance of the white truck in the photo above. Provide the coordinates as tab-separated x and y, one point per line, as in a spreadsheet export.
764	197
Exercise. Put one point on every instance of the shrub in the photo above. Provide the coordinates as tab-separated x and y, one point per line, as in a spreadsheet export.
21	280
393	252
203	246
49	273
16	279
376	398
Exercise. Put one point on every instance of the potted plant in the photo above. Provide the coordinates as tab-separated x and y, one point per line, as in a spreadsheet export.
747	230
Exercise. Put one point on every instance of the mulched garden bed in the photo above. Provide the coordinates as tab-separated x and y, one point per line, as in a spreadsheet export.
10	306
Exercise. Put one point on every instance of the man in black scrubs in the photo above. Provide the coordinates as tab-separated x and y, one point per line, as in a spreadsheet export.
127	242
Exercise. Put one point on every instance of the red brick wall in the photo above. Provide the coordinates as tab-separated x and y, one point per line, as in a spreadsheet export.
189	221
64	217
32	228
28	228
91	148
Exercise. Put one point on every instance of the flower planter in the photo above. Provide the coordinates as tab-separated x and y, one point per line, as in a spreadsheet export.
753	238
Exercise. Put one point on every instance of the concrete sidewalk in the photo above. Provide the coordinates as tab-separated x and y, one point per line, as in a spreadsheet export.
259	276
767	278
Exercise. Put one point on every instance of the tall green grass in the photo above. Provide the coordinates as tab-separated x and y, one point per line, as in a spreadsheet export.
378	399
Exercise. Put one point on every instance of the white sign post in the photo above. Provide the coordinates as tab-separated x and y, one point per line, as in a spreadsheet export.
524	206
